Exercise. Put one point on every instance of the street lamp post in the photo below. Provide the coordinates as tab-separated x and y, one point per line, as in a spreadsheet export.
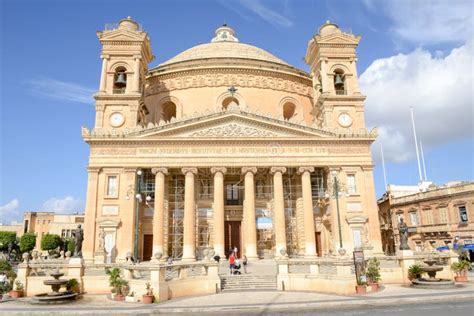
336	188
138	197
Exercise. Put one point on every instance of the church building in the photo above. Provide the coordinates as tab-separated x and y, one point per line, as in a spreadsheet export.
227	146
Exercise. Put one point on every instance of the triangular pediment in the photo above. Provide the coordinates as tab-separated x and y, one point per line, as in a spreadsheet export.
120	35
339	38
237	124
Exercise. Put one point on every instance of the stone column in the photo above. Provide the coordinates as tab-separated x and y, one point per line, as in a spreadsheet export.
250	227
136	76
88	247
103	74
189	234
159	212
279	210
309	235
218	208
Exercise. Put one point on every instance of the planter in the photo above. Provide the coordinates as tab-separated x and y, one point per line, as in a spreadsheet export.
130	299
361	289
147	299
374	287
119	297
460	278
16	293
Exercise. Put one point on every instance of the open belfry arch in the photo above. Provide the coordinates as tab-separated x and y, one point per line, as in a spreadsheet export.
226	145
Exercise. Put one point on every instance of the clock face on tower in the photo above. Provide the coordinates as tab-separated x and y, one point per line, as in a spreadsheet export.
345	120
117	119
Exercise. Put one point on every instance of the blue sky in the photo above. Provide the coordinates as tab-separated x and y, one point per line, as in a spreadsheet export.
412	53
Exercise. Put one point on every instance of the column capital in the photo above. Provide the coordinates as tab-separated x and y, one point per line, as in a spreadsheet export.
159	170
185	170
274	170
222	170
302	170
246	170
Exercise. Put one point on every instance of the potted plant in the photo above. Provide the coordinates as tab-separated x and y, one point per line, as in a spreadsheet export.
17	291
130	298
117	283
460	268
373	274
415	272
73	286
361	287
148	297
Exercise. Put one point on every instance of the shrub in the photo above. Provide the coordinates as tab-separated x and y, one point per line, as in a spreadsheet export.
6	238
415	271
19	285
27	242
373	270
50	242
5	266
73	285
71	245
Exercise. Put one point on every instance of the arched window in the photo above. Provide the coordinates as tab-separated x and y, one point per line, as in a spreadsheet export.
339	82
120	80
227	101
168	111
288	110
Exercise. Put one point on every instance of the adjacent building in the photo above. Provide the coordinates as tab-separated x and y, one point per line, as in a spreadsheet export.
438	217
42	223
227	146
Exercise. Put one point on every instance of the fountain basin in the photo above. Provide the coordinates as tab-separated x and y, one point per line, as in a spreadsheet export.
433	283
54	298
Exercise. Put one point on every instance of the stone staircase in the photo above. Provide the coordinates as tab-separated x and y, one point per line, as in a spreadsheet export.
248	282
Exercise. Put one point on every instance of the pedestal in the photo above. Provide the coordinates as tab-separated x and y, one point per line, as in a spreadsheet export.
100	256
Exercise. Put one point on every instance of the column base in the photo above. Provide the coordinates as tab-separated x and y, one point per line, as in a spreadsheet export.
188	259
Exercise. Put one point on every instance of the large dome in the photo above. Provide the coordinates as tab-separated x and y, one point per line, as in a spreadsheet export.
224	45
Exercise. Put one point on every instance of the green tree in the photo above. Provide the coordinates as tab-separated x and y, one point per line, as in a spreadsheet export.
71	244
27	242
50	242
6	238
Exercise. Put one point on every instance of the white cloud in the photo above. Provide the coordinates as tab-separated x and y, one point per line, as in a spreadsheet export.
67	204
264	12
428	21
438	88
60	90
9	209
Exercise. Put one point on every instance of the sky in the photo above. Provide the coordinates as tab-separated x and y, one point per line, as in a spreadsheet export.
412	54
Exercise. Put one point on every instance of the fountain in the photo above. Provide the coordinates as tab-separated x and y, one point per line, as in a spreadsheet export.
54	297
432	282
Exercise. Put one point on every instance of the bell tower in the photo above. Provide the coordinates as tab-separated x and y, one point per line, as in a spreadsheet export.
126	53
331	55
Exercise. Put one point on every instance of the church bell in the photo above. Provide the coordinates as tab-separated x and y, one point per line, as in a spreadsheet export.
338	81
121	80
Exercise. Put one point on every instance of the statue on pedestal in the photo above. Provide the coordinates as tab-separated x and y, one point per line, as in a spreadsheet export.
78	238
403	231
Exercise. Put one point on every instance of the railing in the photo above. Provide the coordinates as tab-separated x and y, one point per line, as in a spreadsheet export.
341	92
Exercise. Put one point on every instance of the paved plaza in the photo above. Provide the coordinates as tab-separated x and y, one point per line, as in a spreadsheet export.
246	302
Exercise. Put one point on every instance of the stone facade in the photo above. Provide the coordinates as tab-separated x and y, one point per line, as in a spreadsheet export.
227	146
437	216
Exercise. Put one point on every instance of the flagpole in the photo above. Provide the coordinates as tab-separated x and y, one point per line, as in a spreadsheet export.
416	143
383	167
423	161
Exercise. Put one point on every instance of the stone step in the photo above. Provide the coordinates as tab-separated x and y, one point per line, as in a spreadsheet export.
248	282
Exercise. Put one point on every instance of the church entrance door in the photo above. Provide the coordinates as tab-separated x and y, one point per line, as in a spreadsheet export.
147	247
232	237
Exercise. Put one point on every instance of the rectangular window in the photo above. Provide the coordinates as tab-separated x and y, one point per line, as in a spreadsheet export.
443	215
232	194
414	219
462	214
112	186
351	184
427	217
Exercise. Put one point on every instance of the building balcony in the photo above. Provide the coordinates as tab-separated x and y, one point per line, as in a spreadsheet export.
436	228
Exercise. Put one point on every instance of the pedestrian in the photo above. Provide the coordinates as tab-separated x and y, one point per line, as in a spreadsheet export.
236	251
244	262
231	263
